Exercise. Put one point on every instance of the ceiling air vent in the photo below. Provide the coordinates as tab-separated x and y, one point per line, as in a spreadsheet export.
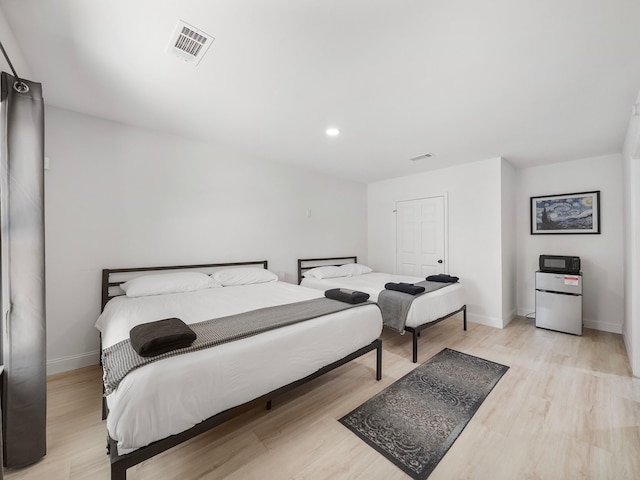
422	157
189	43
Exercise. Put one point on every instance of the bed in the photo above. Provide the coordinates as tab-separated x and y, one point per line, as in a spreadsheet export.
166	402
425	311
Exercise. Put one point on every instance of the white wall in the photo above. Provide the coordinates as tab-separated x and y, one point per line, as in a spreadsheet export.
601	255
509	244
12	47
117	196
474	214
631	161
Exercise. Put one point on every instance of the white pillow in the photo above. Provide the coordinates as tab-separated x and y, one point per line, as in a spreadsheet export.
355	269
162	283
243	276
328	271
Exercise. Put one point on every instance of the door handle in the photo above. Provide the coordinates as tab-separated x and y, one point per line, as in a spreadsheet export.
439	261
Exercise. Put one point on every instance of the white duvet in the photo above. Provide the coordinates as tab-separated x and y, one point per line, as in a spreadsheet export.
424	308
172	395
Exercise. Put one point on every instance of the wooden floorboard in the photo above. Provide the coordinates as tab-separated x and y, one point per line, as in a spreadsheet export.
568	408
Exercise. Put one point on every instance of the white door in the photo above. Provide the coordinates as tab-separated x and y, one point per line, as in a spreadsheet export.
421	237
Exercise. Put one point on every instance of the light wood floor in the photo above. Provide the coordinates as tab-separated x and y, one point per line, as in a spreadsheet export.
568	408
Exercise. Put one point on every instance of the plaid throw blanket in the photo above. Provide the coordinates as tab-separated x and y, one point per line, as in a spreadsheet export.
120	358
395	305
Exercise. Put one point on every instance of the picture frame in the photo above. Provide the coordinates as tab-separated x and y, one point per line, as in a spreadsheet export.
567	213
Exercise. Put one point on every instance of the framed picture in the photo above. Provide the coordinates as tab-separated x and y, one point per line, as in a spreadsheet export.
566	213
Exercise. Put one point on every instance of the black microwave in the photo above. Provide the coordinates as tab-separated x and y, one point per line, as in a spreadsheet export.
559	264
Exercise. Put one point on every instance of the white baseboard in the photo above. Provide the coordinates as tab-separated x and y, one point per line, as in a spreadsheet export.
524	311
484	320
510	316
64	364
602	326
629	350
73	362
588	323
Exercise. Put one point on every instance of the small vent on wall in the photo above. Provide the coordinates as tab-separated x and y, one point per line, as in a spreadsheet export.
189	43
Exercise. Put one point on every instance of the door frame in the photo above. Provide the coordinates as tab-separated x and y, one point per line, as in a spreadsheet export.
445	197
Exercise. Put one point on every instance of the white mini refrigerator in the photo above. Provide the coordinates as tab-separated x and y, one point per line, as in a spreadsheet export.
559	302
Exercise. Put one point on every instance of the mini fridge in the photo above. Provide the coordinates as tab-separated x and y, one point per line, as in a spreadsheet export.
559	302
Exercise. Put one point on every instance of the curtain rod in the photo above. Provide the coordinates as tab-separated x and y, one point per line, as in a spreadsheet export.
19	86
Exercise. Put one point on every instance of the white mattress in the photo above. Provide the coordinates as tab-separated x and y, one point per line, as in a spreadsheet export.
424	308
169	396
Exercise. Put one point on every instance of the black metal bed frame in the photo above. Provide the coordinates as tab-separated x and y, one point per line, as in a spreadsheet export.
120	463
305	264
108	284
415	331
329	261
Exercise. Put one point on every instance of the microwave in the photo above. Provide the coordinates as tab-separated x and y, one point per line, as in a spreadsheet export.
559	264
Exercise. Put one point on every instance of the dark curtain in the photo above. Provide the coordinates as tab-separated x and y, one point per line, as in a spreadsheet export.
24	387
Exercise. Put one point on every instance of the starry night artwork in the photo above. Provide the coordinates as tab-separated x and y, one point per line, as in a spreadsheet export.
568	213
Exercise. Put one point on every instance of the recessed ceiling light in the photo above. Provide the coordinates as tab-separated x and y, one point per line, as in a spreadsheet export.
332	132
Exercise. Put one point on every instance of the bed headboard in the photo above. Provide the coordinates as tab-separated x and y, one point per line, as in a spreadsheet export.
305	264
112	278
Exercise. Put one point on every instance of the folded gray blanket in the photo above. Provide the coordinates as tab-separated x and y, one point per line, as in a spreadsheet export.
162	336
347	295
409	288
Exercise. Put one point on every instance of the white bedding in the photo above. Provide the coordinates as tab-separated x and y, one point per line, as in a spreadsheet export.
424	309
174	394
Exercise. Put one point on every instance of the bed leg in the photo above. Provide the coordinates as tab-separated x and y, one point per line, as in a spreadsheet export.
268	404
118	472
464	317
415	346
379	360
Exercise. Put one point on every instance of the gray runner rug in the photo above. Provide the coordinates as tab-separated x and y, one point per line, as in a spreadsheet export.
415	420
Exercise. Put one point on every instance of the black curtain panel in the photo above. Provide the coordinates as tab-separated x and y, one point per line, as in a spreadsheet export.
24	387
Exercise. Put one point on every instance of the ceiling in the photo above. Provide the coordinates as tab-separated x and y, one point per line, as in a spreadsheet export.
533	82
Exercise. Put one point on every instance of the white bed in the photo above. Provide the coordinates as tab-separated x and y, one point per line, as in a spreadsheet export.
172	395
425	309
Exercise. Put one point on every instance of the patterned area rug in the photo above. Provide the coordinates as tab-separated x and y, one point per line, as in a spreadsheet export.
414	421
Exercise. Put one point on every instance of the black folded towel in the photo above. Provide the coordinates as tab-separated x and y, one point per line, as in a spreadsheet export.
346	295
441	277
409	288
162	336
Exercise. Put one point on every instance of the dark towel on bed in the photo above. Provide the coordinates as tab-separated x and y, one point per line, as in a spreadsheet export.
347	295
441	277
162	336
409	288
